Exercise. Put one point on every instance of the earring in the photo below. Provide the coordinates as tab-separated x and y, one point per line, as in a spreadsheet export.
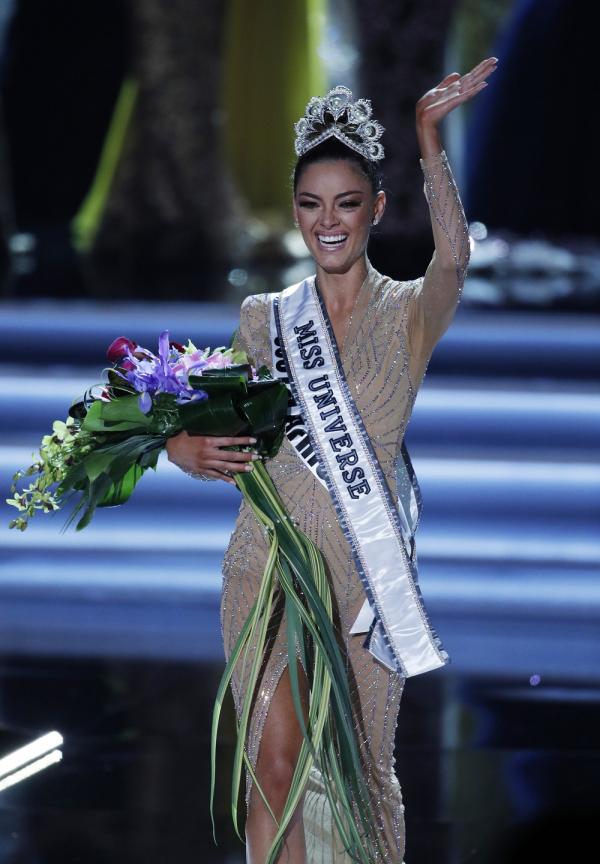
374	221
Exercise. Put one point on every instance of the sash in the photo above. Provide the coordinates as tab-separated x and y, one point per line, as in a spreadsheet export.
325	428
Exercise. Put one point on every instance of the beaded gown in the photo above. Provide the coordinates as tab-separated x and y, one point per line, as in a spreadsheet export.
393	330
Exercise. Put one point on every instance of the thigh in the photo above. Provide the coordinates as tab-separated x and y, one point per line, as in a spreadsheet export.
281	735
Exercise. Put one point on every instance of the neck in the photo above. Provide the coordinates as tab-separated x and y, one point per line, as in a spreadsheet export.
340	290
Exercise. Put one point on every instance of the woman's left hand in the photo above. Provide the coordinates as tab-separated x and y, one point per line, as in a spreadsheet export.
452	90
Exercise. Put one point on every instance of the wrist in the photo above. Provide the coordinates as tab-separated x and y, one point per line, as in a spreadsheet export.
433	161
430	143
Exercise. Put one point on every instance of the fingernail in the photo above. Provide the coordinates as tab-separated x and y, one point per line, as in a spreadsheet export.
255	456
249	468
253	440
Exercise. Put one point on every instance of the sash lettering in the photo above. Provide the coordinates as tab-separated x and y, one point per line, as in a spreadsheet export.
326	430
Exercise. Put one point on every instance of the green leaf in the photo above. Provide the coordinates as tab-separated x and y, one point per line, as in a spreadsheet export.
119	491
329	737
265	409
149	459
121	414
95	493
75	478
219	380
217	415
115	458
264	373
239	358
96	463
236	370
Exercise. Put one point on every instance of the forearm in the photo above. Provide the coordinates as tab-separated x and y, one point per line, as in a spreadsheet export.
435	302
448	221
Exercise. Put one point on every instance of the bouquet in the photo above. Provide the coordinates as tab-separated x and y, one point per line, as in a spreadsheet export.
98	454
116	431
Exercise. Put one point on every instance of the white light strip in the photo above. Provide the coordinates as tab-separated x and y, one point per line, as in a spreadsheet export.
522	401
429	398
482	547
485	471
515	587
147	539
47	388
12	455
509	549
79	315
11	779
30	751
514	591
431	469
97	576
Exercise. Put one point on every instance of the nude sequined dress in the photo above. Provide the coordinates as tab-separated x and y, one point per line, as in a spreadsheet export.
392	332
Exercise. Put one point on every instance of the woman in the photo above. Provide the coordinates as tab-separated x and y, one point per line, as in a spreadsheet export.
381	335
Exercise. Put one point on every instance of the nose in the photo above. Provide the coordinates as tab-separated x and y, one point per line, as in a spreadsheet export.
328	217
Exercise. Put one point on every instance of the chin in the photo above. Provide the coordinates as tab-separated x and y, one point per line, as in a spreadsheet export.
335	263
335	266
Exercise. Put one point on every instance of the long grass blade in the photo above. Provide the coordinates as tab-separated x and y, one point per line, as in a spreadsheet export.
329	738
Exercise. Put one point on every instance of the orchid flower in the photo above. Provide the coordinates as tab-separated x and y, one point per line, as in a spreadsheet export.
169	370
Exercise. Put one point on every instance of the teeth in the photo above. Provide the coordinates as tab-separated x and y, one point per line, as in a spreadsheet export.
339	238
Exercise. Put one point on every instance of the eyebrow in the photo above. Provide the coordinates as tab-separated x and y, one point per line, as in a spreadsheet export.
341	194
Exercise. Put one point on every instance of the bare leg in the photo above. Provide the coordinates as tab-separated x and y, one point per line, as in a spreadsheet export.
279	747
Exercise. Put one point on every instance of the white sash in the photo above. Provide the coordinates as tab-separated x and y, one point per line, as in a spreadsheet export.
327	432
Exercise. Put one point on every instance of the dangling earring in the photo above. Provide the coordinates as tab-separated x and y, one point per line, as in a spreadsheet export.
375	220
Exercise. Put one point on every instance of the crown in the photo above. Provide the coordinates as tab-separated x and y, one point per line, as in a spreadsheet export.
336	115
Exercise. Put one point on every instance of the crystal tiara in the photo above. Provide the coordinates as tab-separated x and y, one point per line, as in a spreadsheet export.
336	115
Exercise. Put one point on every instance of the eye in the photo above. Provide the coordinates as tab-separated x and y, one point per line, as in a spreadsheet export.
350	205
308	205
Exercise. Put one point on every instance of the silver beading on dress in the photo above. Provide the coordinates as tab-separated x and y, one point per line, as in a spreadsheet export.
337	116
197	475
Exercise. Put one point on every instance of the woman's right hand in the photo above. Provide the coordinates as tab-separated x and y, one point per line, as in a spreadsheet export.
202	454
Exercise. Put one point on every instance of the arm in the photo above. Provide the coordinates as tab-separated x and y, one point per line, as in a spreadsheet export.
437	294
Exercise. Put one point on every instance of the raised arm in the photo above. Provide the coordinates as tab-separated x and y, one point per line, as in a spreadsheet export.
438	293
444	278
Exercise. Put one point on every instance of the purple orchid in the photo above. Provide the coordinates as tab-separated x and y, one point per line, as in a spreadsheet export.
145	402
170	369
164	373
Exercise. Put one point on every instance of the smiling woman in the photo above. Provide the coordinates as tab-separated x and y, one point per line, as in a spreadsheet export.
352	345
327	214
337	199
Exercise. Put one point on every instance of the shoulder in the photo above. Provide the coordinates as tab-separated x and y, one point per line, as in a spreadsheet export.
254	308
254	302
258	306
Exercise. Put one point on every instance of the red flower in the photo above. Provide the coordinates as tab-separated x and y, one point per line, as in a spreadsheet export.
177	345
117	348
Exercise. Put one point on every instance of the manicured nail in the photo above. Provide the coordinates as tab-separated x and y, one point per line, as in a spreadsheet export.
253	440
249	468
255	456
